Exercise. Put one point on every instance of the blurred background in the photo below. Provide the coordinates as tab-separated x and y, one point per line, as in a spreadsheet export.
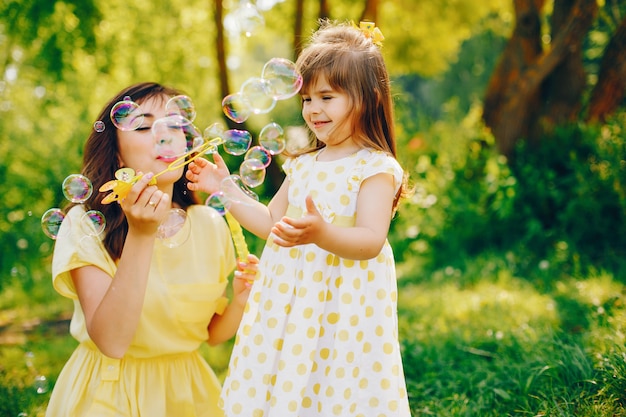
511	255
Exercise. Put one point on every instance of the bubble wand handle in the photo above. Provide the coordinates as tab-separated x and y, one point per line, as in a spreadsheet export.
241	247
206	147
238	238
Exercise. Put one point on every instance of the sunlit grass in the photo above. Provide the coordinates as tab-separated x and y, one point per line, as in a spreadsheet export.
500	347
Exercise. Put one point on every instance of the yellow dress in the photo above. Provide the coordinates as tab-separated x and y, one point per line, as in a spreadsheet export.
319	337
162	373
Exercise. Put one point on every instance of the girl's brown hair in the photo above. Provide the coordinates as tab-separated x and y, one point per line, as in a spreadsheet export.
354	65
101	161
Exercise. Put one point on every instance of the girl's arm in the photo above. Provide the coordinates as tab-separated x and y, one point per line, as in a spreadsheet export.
223	327
112	305
251	214
362	241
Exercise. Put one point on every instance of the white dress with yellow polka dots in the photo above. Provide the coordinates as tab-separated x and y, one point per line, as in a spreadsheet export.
319	335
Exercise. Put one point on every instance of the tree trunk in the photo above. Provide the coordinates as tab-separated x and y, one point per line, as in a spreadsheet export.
324	12
509	100
297	28
526	78
610	89
370	12
563	88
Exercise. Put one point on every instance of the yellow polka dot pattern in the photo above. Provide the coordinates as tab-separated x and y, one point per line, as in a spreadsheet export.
319	333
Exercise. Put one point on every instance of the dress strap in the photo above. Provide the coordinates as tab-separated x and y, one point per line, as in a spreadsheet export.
341	221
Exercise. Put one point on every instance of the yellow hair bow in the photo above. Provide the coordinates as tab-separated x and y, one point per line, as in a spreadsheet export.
370	30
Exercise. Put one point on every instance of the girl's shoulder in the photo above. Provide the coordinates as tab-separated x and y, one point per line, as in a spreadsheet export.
378	161
297	161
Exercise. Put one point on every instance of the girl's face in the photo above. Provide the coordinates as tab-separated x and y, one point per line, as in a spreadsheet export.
326	113
138	150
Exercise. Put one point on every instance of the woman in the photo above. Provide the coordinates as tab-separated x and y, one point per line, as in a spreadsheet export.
142	308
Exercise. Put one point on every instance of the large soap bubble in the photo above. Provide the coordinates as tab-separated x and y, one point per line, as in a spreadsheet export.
284	81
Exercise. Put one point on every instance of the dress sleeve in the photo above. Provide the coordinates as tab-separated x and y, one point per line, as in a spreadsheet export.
74	248
379	162
288	167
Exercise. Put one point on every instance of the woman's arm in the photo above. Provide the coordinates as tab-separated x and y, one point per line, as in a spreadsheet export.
112	305
362	241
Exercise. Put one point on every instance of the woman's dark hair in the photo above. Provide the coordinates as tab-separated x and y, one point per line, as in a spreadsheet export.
101	161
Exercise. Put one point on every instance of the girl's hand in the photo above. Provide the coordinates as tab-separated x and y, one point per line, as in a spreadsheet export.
308	229
206	176
145	206
245	275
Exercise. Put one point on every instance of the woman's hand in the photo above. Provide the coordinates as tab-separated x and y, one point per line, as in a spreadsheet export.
206	176
145	206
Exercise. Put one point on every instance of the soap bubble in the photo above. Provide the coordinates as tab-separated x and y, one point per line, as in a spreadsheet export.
283	79
237	142
216	130
181	105
257	94
77	188
236	108
252	172
218	201
260	154
99	126
41	384
51	222
272	138
93	223
235	190
170	138
175	230
125	115
245	19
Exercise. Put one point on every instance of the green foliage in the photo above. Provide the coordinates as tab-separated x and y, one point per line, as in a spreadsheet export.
558	207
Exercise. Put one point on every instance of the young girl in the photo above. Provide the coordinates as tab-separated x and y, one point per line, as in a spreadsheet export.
141	308
319	336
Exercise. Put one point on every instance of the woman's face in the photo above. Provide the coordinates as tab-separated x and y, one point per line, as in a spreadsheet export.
138	148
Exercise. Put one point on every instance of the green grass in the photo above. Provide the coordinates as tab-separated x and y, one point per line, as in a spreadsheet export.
489	344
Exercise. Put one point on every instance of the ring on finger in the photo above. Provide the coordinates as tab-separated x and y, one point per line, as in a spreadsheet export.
152	203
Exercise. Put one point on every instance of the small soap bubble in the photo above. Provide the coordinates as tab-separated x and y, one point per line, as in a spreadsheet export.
93	223
99	126
236	108
252	172
125	174
218	201
257	93
175	230
29	358
41	384
237	142
77	188
216	130
181	105
246	19
51	222
272	138
283	79
126	116
235	190
260	154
